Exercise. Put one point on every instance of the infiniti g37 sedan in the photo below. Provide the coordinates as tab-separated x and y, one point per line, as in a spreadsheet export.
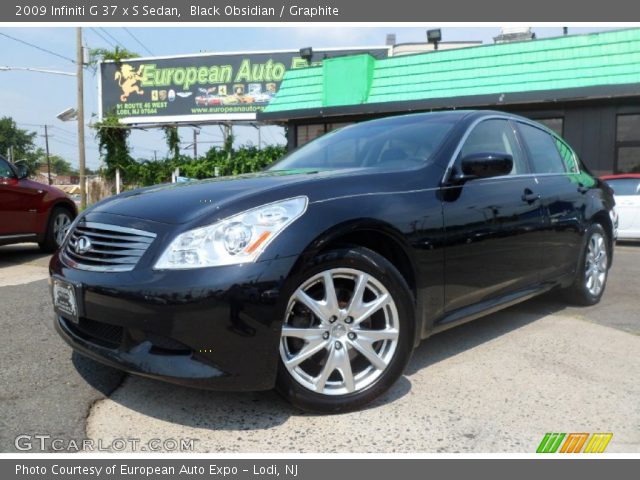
321	274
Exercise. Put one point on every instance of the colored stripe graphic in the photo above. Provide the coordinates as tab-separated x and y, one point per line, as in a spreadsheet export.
598	442
550	443
574	443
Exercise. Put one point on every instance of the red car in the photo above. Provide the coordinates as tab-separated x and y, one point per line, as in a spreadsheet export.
31	211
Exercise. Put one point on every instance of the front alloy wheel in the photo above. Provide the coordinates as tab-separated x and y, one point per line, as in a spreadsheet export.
343	333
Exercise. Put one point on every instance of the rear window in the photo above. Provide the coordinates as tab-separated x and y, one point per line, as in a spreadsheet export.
542	149
625	186
568	156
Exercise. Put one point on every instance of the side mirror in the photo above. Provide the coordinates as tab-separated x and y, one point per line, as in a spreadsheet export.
22	169
485	165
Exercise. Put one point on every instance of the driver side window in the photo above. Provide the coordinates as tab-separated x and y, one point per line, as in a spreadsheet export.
5	170
495	136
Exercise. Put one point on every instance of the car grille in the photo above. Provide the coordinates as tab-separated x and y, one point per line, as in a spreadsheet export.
98	332
106	248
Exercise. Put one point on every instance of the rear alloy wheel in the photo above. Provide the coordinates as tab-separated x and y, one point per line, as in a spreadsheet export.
596	265
343	340
591	278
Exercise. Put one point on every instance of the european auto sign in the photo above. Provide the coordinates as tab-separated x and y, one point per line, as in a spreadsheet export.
203	87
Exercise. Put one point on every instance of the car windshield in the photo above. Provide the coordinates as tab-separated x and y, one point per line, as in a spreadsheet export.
397	143
625	186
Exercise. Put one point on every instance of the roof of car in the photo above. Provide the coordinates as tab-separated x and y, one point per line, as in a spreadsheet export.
618	176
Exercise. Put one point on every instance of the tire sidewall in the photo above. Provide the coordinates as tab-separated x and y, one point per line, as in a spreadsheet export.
585	296
373	264
49	243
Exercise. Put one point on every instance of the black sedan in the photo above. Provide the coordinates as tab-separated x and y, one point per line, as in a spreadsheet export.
320	275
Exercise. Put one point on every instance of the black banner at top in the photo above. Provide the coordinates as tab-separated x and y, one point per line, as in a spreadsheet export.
101	11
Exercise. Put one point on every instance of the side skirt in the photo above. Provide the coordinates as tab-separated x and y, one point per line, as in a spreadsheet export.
472	312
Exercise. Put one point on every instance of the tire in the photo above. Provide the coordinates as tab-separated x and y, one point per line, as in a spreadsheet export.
59	220
593	270
338	355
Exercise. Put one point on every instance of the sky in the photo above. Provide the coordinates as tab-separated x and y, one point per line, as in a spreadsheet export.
33	99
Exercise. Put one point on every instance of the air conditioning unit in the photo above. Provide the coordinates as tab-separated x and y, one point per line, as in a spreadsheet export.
514	34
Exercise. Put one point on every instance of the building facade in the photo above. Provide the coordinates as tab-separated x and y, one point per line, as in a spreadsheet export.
585	87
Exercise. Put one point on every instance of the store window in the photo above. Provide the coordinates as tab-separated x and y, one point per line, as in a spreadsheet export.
628	143
335	126
306	133
555	124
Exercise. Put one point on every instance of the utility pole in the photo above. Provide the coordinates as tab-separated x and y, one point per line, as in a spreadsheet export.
46	145
81	149
195	144
257	127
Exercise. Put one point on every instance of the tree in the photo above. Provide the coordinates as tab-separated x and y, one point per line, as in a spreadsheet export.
21	140
111	134
173	140
60	166
116	55
112	140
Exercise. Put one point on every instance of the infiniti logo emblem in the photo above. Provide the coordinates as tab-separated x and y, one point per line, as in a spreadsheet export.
83	245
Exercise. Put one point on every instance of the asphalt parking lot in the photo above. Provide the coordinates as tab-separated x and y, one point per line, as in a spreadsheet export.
494	385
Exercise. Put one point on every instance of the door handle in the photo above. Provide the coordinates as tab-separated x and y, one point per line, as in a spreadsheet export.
582	188
530	197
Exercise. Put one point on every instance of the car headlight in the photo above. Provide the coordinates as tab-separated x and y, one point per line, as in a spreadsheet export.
237	239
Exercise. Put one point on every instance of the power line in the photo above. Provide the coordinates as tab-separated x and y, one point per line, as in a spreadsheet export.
37	47
69	144
137	40
104	39
69	132
112	37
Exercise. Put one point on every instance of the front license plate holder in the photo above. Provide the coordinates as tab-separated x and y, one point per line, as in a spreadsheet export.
67	299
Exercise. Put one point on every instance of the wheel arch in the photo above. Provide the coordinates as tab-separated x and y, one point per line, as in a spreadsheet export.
58	203
602	217
63	203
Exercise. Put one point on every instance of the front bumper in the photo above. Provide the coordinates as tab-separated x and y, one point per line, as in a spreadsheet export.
216	328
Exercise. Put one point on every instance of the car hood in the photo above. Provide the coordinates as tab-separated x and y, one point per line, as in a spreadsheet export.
186	202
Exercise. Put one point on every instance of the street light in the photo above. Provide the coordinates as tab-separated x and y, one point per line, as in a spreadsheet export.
307	54
68	115
434	36
6	68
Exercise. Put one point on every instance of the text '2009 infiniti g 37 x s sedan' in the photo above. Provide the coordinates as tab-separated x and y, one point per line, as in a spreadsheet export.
321	274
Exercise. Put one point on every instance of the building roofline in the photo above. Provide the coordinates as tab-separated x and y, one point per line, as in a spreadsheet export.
471	101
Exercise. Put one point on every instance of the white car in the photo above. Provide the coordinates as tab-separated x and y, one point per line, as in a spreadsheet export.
626	190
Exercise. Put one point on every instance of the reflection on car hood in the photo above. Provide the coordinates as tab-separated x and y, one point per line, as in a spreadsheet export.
184	202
